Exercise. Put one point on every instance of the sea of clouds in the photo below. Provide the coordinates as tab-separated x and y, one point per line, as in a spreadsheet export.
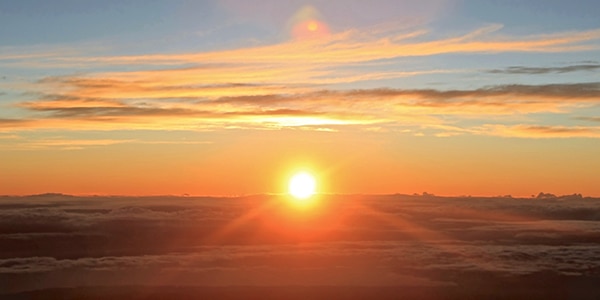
56	240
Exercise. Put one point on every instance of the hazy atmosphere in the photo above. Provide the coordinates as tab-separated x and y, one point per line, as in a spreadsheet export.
227	97
230	149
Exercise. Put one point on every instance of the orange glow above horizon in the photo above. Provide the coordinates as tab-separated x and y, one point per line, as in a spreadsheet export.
268	162
371	108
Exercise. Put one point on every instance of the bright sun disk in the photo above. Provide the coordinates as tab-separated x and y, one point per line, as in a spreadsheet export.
302	185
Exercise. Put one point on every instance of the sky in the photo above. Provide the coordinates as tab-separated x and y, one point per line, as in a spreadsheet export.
230	97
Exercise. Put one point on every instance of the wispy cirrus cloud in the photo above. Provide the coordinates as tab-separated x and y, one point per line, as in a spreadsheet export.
362	46
546	70
417	107
592	119
294	84
13	123
352	46
541	131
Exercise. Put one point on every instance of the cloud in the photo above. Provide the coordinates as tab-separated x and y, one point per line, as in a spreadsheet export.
539	131
12	122
293	84
362	46
546	70
325	108
71	143
348	47
33	52
591	119
20	143
368	240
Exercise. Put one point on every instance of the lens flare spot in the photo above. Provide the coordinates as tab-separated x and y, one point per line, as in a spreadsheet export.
308	23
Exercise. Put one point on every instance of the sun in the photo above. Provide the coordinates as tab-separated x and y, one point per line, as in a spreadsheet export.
302	185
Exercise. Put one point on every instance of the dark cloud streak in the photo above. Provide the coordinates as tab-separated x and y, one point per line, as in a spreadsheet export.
362	107
590	67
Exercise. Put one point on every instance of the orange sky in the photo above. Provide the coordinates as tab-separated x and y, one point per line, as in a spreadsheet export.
400	97
342	162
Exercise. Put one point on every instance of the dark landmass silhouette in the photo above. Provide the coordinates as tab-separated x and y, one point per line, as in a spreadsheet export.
56	246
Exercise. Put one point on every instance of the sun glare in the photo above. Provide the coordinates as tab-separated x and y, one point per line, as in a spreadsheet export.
302	185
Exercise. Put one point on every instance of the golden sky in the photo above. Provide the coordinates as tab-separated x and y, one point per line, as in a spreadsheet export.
226	98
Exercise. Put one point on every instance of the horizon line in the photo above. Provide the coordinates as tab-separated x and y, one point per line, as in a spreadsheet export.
540	195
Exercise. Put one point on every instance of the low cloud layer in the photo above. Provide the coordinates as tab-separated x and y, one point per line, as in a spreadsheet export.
57	240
